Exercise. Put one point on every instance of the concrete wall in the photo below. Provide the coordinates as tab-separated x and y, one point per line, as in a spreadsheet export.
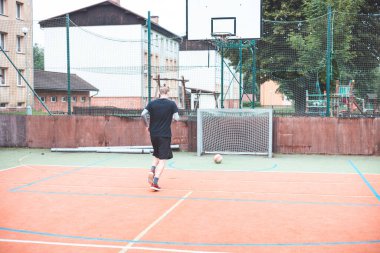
302	135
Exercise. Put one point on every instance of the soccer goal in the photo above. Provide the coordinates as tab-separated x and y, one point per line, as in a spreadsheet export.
234	131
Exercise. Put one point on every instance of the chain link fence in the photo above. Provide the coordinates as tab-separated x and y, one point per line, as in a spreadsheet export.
326	66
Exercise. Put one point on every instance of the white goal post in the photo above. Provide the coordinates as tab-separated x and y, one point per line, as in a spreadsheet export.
235	131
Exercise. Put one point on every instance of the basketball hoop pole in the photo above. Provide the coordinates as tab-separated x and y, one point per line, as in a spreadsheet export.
221	41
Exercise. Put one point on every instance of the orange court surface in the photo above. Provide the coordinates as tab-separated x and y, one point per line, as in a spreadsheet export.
55	202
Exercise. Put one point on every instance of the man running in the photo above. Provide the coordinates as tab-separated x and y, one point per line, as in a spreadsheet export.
161	111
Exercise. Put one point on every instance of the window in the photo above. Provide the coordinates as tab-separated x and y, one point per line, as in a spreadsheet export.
3	105
43	99
2	76
18	10
19	43
74	98
2	8
53	99
19	78
2	40
20	104
63	99
83	99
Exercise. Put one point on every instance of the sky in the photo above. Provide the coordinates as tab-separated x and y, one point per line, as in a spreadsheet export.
172	13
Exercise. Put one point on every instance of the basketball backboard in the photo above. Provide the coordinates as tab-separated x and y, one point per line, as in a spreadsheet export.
241	19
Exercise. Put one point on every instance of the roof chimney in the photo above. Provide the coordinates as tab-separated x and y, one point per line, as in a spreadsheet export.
115	1
155	19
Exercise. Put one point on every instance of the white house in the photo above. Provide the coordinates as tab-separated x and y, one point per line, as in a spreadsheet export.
109	49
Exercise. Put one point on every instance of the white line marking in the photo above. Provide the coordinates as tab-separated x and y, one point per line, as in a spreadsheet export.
209	170
146	230
15	167
22	158
103	246
195	190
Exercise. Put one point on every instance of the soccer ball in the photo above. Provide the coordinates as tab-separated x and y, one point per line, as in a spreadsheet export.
218	158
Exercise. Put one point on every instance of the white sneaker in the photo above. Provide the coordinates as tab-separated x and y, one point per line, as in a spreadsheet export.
150	177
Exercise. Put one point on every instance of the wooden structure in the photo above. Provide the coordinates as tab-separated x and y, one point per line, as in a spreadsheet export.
182	97
187	92
343	102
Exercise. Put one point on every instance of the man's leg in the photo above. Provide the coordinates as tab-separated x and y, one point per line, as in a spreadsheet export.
159	169
152	171
164	152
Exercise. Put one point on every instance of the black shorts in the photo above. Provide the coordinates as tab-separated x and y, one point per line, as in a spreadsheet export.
161	147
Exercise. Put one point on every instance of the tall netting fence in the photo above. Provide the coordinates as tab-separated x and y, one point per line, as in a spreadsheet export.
78	68
293	57
356	64
219	75
106	70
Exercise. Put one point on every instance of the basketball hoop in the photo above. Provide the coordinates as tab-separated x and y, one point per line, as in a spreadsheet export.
221	38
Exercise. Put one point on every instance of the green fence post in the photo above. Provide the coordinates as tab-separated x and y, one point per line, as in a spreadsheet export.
221	78
253	44
328	61
68	64
149	60
240	73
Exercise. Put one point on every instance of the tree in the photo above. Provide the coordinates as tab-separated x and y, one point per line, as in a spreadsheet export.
276	59
38	57
267	55
292	50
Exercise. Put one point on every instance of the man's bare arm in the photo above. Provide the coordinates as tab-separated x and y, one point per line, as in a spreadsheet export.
176	116
144	115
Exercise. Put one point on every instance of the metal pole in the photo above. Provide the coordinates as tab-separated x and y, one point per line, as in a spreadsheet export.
253	43
149	60
328	61
240	73
26	81
68	64
221	79
25	31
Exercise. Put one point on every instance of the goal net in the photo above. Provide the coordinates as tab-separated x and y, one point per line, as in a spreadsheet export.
234	131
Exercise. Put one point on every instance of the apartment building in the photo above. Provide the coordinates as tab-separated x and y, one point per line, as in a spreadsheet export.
16	40
109	50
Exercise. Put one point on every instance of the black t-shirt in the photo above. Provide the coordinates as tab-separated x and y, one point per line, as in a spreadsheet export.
161	114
